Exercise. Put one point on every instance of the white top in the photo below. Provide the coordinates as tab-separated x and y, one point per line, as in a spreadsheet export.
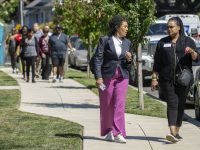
118	45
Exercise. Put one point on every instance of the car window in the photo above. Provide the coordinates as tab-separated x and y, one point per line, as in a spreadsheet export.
77	43
73	40
158	29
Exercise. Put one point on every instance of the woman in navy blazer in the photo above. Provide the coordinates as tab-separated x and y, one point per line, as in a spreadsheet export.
111	61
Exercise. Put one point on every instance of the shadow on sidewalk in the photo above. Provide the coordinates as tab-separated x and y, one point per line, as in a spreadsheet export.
156	139
191	120
69	135
68	87
93	138
65	105
148	138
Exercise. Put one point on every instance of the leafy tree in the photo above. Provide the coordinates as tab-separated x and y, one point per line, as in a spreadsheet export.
7	8
91	19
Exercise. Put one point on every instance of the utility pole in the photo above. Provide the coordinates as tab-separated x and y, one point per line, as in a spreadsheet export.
21	12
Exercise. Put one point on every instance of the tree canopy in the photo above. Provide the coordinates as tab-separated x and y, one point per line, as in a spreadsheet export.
91	19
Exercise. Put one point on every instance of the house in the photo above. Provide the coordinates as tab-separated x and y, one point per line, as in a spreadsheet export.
38	11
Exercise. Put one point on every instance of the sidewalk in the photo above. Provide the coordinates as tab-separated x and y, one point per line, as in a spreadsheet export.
72	101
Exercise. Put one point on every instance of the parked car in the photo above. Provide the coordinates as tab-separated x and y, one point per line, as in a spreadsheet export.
195	67
196	90
156	31
197	95
78	58
190	21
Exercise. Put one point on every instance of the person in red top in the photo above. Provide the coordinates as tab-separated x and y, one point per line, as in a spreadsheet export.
18	37
45	53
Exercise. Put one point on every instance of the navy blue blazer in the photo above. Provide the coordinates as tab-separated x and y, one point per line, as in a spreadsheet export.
106	60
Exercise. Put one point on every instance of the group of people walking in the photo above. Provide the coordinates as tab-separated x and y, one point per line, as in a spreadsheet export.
112	60
35	48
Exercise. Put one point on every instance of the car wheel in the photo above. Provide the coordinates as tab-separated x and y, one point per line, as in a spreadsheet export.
197	105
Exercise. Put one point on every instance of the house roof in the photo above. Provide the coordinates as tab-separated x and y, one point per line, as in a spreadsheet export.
1	1
39	3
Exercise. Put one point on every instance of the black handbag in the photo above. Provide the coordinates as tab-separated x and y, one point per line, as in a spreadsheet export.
185	77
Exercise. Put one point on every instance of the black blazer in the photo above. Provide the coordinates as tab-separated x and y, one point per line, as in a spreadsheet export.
106	60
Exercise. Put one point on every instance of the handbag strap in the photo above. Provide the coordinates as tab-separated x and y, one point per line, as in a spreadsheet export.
176	58
179	64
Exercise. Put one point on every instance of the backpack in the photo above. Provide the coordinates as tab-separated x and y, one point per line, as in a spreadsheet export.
91	62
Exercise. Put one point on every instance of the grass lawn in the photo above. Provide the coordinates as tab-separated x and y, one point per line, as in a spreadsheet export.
26	131
152	107
6	80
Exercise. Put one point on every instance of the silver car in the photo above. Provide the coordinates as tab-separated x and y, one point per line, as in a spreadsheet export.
78	58
195	68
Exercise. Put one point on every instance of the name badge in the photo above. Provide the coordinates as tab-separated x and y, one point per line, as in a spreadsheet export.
167	45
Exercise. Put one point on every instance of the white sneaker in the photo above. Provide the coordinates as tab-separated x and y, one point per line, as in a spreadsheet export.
109	137
14	71
120	139
60	80
17	71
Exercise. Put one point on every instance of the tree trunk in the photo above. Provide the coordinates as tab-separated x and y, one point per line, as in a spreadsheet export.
140	79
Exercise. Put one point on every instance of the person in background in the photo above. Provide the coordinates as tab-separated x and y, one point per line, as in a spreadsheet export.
24	32
195	35
44	52
58	42
38	34
31	50
177	49
12	45
111	61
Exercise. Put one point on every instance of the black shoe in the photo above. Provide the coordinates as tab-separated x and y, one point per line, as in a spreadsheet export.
171	138
45	78
33	81
179	137
27	80
54	81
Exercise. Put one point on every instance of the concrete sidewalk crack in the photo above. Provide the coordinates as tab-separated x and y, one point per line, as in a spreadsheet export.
145	135
59	96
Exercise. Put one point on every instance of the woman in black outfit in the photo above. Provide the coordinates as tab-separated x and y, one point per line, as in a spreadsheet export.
24	32
172	51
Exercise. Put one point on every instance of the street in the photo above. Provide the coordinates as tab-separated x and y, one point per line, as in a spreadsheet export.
189	109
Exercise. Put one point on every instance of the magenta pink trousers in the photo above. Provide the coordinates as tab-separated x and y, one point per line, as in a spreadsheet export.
112	105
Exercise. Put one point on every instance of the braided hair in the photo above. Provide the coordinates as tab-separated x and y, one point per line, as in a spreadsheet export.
179	23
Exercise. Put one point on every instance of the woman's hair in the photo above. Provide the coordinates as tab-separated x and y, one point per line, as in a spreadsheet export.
23	27
30	30
46	29
181	32
115	23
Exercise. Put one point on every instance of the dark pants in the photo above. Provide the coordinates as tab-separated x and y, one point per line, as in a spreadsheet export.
30	62
175	96
45	65
23	62
13	59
